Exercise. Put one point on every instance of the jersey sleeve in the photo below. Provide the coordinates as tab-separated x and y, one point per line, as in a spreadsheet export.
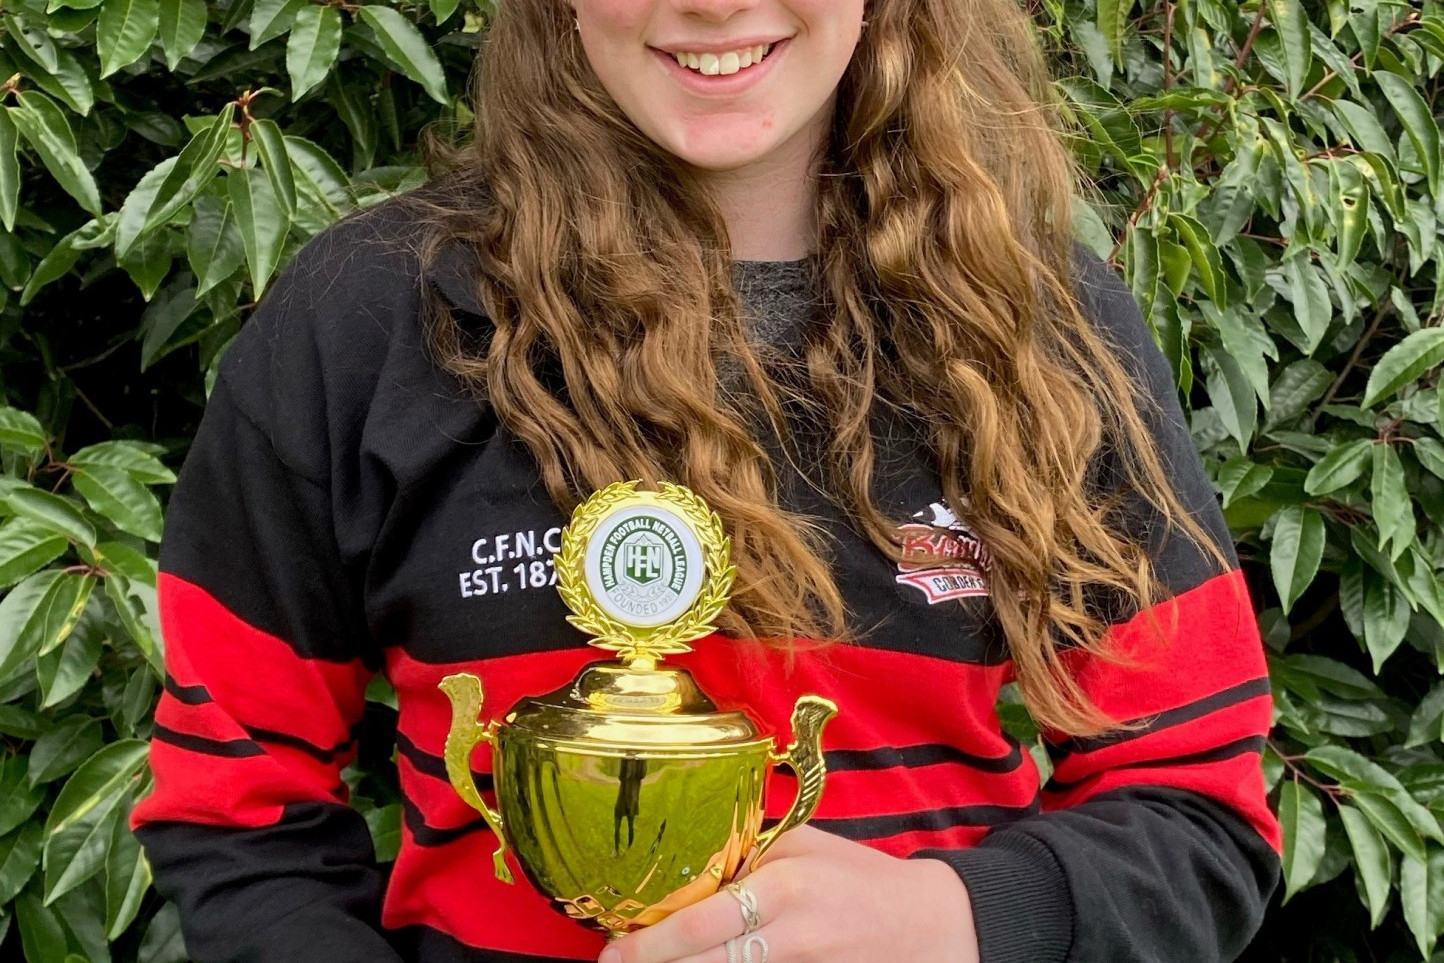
267	657
1155	842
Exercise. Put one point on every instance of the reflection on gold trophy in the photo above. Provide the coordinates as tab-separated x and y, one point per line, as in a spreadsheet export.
626	795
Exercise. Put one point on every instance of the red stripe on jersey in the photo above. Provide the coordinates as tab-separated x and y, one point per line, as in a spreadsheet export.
1209	641
452	889
256	677
256	682
200	787
904	845
1236	782
1226	725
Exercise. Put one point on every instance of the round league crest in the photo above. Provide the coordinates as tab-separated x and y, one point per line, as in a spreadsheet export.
645	572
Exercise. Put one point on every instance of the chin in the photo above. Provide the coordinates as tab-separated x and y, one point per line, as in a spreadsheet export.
720	155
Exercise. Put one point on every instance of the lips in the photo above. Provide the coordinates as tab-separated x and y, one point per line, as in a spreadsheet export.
721	84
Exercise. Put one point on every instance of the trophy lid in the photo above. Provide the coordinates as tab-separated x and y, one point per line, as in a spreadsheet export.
616	706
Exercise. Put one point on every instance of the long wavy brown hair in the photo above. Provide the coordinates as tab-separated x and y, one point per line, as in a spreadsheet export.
946	270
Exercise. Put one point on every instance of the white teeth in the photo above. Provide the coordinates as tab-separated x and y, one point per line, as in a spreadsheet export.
713	65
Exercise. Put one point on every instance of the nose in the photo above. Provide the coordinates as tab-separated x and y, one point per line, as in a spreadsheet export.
716	11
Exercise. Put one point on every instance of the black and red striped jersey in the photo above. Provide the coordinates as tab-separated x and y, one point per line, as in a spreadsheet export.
348	510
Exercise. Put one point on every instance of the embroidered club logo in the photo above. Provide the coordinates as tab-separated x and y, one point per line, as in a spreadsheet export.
645	567
942	558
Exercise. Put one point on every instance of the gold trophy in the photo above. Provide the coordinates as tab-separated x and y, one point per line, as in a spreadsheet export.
626	794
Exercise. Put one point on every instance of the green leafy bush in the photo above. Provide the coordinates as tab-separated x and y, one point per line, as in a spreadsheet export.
1268	178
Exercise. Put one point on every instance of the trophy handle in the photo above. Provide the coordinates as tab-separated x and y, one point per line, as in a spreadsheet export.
804	757
464	691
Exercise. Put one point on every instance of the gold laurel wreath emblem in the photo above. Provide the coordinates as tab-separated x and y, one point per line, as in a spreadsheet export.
631	642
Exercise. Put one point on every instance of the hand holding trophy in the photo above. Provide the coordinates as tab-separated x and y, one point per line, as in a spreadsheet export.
627	795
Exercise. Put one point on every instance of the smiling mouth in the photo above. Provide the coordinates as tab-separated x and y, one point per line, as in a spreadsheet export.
724	64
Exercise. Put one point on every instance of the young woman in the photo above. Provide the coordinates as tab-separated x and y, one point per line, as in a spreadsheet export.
811	259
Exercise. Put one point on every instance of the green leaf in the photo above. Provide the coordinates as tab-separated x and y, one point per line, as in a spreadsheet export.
319	178
42	935
1404	363
1292	25
1302	817
1373	862
65	253
262	223
213	243
313	47
123	500
1350	207
9	170
1430	452
21	431
1310	298
1418	121
45	127
1294	389
1392	508
1425	723
163	941
412	52
134	458
39	614
127	877
73	740
19	859
1232	396
1386	619
277	163
69	82
25	547
125	560
271	18
1340	467
1364	128
125	31
443	9
182	25
1390	822
1113	21
19	797
173	183
1421	894
1366	778
62	672
1204	256
1297	549
51	511
1241	477
135	604
77	831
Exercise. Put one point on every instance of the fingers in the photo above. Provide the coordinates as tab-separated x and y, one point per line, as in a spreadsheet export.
755	948
698	930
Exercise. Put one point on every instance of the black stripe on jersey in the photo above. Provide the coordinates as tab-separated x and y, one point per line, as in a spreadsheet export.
316	752
932	820
1231	696
422	942
424	761
914	757
431	836
1227	751
191	695
231	749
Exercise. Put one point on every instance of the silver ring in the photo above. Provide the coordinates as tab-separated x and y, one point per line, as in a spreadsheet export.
751	918
747	944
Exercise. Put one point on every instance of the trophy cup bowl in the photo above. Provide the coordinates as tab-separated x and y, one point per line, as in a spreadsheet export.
627	794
